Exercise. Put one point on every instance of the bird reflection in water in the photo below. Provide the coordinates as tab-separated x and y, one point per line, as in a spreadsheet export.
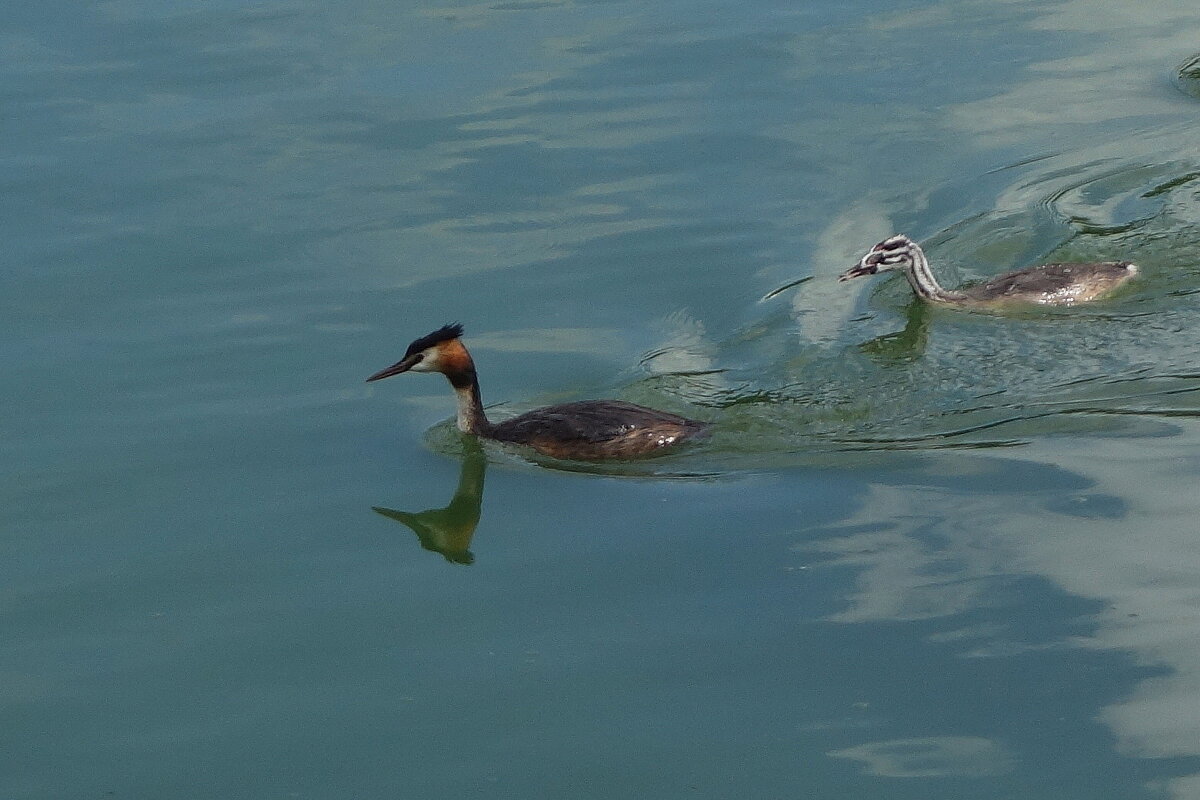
904	345
449	530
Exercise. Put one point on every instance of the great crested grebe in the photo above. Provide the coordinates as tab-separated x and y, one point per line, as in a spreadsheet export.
1047	285
588	430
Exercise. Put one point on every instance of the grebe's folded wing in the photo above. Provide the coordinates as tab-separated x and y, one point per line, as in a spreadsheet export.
1049	279
586	421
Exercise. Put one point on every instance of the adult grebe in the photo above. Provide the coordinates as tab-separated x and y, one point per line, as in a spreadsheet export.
589	430
1048	285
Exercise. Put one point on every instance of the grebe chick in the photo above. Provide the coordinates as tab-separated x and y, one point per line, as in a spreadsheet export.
588	430
1047	285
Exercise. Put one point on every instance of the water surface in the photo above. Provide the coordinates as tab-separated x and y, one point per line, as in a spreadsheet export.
926	554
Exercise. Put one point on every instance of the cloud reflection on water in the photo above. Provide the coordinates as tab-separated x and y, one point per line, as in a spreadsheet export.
930	757
1137	559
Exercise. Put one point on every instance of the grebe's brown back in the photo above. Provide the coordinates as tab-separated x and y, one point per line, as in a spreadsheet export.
588	430
1049	284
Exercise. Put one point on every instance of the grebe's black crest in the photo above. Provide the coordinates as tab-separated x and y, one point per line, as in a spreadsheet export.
443	334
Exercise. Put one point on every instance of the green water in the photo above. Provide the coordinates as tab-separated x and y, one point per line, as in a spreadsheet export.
926	554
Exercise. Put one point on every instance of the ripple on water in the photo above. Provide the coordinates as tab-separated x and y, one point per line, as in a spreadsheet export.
1187	77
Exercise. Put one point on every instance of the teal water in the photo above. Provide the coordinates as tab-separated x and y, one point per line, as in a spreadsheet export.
926	554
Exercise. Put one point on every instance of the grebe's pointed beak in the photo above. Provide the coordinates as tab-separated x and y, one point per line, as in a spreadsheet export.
858	270
397	368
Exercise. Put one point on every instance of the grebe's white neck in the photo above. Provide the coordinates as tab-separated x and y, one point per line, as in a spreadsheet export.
921	278
470	418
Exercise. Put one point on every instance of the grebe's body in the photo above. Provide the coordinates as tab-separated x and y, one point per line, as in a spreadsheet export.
1048	285
588	430
596	429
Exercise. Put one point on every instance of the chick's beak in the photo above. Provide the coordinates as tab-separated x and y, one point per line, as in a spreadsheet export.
858	270
396	369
